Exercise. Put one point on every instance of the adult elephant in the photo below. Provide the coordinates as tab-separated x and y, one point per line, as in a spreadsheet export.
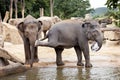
29	30
72	33
48	22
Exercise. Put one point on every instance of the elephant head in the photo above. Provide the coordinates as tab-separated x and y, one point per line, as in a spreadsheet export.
93	32
30	29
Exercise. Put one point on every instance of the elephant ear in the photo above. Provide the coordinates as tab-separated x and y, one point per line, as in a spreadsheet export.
86	25
39	25
20	27
90	31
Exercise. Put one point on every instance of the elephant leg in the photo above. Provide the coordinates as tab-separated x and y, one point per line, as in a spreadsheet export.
27	51
79	55
32	55
36	55
59	61
86	55
52	41
52	44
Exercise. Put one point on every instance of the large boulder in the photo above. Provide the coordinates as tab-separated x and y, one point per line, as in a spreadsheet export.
10	34
15	22
47	22
88	17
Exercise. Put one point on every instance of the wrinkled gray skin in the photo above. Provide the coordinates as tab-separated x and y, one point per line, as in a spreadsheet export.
29	30
71	33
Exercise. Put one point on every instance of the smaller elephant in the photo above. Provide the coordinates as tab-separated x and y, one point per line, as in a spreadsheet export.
72	33
30	29
48	22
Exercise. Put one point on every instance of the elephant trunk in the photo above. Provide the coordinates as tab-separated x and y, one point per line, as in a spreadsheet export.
32	40
97	44
100	43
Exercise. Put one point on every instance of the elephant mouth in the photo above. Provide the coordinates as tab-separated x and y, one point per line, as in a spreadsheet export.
95	47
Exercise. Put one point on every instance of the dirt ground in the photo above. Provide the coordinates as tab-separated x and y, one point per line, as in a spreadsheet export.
107	56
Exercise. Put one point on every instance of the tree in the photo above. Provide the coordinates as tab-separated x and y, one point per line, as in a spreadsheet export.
114	6
71	8
33	6
62	8
51	7
4	7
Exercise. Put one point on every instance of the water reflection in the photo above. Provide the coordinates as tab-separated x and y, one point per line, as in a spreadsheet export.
61	73
72	73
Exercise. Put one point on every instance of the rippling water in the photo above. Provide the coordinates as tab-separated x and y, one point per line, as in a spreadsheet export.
75	73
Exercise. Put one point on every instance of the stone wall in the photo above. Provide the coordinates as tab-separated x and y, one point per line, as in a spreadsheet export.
112	35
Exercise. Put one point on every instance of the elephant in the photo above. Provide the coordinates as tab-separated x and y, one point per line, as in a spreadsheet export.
30	29
48	22
72	33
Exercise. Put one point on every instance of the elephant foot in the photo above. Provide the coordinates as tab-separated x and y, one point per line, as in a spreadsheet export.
27	62
36	60
60	64
88	65
31	63
80	64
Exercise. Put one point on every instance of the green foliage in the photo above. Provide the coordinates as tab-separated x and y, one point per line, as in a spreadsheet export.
32	7
71	8
4	7
114	6
62	8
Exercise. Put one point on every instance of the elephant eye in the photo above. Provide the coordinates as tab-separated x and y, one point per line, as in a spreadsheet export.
26	33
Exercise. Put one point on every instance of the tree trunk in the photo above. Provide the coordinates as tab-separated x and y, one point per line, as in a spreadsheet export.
0	18
6	17
51	7
11	9
23	8
16	8
41	12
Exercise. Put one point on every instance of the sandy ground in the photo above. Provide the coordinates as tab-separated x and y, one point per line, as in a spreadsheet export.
107	56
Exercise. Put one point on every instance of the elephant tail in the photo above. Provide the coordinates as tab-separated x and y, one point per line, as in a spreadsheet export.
44	38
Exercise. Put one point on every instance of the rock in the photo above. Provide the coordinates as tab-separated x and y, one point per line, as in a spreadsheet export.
12	69
15	22
112	35
88	17
9	56
1	35
11	34
7	67
47	22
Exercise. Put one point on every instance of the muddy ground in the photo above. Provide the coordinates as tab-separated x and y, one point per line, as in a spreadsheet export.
106	65
107	56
